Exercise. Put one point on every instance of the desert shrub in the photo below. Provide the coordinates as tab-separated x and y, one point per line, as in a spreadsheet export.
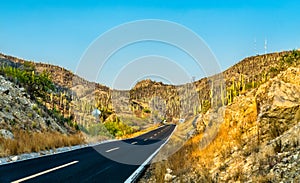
290	59
277	146
145	110
97	129
118	129
205	106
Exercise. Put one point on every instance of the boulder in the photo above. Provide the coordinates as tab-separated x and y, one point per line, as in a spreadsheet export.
6	134
14	158
169	177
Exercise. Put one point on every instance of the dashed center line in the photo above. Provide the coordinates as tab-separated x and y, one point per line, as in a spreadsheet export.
155	134
145	139
112	149
151	137
44	172
134	143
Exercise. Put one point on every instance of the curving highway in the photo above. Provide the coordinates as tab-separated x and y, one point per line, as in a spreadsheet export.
116	161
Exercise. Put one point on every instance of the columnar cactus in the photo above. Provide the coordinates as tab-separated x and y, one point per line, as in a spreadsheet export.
212	94
222	95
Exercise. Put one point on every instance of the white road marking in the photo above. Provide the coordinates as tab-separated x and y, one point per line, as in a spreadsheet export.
145	139
151	137
112	149
155	134
134	143
44	172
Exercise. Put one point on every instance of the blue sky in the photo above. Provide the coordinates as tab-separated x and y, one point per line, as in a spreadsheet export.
59	32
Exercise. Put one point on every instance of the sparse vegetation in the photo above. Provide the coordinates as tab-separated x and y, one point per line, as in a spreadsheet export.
37	85
244	135
98	130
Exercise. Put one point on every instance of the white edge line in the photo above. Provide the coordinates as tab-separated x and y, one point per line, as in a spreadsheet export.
44	172
139	170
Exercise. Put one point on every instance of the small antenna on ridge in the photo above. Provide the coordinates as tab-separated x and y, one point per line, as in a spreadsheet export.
266	42
255	48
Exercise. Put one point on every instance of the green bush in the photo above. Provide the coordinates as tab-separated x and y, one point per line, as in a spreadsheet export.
95	130
34	124
248	85
273	69
29	114
35	107
38	85
145	110
205	106
118	129
290	58
83	129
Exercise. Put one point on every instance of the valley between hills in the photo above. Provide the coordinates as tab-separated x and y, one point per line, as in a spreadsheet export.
241	125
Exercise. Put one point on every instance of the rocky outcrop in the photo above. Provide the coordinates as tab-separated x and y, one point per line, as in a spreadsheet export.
279	103
254	139
6	134
18	111
264	128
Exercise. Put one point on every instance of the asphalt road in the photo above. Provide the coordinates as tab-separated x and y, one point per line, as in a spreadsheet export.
108	162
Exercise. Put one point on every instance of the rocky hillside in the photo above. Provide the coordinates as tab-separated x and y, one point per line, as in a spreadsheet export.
19	112
26	126
178	101
255	138
70	100
214	91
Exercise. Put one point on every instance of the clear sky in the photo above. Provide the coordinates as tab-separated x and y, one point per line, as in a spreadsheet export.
59	31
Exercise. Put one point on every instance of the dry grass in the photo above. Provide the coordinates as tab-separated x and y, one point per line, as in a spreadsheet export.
179	160
26	142
206	151
230	137
221	145
201	151
264	179
159	171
